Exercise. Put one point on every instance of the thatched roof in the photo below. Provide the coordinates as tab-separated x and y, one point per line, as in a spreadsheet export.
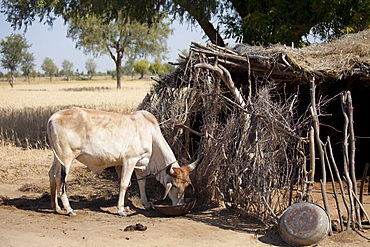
334	60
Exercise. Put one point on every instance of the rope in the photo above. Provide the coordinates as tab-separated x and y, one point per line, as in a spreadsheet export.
153	175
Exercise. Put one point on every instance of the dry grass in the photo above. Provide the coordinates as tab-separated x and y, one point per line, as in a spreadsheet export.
334	57
25	109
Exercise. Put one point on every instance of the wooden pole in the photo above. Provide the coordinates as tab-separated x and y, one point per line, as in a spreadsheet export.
311	179
315	123
352	148
351	215
334	188
345	202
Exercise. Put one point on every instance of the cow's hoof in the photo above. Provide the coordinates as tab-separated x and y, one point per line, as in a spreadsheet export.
148	207
72	213
122	213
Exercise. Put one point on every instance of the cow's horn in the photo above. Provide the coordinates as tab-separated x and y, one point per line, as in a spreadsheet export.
168	188
195	163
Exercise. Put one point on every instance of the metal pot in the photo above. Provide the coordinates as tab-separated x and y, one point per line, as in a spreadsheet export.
304	224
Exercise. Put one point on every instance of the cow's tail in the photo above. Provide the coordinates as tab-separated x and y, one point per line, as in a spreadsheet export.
63	173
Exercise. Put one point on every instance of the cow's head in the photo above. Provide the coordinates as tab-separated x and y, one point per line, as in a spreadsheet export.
180	179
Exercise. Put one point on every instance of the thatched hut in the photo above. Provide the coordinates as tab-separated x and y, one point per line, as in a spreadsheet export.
250	110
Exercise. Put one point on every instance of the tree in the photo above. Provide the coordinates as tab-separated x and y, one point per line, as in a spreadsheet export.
157	68
13	49
90	66
28	65
67	67
141	67
273	21
49	67
119	38
251	21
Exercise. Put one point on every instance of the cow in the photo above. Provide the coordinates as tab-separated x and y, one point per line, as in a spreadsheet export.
130	142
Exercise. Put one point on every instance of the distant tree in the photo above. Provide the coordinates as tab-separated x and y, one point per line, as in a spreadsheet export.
49	67
112	73
13	49
28	65
67	67
33	74
119	38
157	68
141	67
90	66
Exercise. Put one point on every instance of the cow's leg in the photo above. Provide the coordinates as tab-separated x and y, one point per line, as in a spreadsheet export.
58	177
63	195
54	176
141	182
119	172
127	170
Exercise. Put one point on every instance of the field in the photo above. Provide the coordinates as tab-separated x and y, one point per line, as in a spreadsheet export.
26	214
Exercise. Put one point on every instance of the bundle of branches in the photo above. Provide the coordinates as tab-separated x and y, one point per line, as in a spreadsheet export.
253	145
337	59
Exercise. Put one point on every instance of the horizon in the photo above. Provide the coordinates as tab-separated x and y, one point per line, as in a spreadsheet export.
52	42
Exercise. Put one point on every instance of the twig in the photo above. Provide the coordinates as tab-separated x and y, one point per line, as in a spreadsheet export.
361	206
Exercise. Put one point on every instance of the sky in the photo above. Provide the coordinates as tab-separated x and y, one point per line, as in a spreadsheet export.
52	42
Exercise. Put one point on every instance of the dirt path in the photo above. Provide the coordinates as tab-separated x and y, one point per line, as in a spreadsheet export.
27	218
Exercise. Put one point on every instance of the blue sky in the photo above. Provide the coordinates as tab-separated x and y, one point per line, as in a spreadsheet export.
52	42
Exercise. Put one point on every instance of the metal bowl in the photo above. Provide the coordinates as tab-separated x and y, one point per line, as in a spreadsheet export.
304	224
165	207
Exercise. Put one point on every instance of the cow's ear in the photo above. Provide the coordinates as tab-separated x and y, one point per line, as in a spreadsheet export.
170	171
168	188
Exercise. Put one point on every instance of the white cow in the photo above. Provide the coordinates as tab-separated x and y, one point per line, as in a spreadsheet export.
102	139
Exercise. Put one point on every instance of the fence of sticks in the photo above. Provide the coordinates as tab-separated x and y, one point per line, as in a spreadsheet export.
260	153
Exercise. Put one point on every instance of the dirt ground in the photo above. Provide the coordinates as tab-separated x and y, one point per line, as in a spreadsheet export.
27	218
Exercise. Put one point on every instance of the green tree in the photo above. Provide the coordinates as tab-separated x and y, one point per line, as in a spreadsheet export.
33	74
14	50
251	21
158	68
67	67
28	65
119	39
273	21
90	67
49	67
141	67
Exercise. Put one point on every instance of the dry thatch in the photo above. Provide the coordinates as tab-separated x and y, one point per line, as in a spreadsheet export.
337	59
226	105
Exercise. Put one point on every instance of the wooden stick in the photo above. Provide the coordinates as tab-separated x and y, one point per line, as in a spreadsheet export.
346	163
361	206
334	189
311	179
352	154
315	121
226	77
345	202
363	178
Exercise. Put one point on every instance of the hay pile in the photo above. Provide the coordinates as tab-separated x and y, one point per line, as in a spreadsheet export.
339	58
